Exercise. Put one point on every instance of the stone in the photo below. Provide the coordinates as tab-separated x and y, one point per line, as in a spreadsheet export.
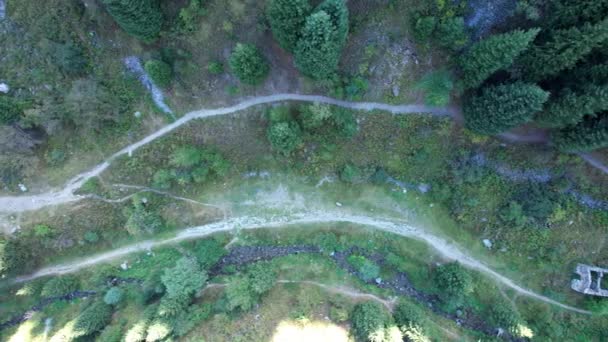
124	266
487	243
378	280
590	282
4	88
338	204
424	188
137	115
396	90
22	187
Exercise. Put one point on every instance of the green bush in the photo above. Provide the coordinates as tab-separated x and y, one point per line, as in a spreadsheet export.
60	286
503	107
94	318
453	282
91	237
368	318
248	64
503	315
239	294
215	68
407	313
184	279
42	231
140	18
208	252
315	115
338	12
143	221
187	156
437	87
160	72
189	15
111	333
285	137
350	174
263	277
366	268
10	110
287	18
451	33
424	29
162	179
113	296
187	320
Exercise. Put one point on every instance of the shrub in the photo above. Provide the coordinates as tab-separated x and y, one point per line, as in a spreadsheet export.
451	33
328	242
285	137
111	333
215	68
162	179
94	318
407	313
143	221
160	72
140	18
287	18
453	282
367	318
437	87
262	277
503	107
239	294
42	231
338	12
189	15
91	237
315	115
248	64
10	110
184	279
502	314
189	319
367	269
317	53
350	174
208	252
424	29
186	157
113	296
60	286
171	306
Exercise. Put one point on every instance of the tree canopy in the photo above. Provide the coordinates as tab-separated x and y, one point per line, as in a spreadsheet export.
248	64
140	18
287	18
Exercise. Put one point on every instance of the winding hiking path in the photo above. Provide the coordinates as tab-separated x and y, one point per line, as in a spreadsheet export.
17	204
446	248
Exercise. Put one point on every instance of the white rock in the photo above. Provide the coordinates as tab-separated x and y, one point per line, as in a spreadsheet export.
487	243
22	187
137	115
4	88
338	204
124	266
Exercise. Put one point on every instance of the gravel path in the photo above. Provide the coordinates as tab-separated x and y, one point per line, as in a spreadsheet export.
446	248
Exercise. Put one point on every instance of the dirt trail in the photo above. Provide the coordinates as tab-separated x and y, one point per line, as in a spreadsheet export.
15	204
446	248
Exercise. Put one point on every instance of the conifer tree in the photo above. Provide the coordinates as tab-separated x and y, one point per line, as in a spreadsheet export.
566	13
287	18
338	13
317	54
492	54
503	107
563	49
139	18
248	64
571	107
588	135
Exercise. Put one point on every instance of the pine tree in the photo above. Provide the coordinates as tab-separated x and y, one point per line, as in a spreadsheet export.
503	107
588	135
287	18
492	54
338	12
317	54
248	64
139	18
571	107
565	13
563	49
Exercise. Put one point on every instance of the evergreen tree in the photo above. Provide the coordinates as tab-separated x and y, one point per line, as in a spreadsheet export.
563	50
184	279
571	107
287	18
317	54
503	107
248	64
139	18
588	135
338	13
492	54
565	13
